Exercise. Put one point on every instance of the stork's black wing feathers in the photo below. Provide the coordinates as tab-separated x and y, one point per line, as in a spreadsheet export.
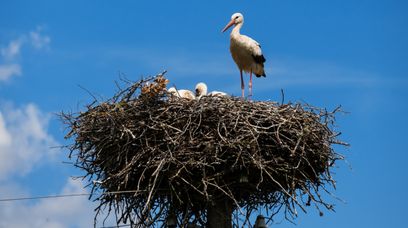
259	58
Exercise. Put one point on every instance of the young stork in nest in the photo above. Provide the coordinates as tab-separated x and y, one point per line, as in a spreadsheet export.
183	93
245	51
201	90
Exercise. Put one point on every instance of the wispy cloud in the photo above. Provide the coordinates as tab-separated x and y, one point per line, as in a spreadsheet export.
295	73
9	70
218	68
177	61
9	54
24	144
24	140
52	212
281	72
12	50
39	40
318	74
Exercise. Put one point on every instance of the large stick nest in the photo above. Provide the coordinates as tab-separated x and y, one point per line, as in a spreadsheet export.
148	154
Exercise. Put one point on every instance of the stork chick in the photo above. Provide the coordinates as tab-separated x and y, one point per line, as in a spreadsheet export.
183	93
201	90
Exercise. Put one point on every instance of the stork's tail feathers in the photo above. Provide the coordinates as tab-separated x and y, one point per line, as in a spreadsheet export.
262	74
259	59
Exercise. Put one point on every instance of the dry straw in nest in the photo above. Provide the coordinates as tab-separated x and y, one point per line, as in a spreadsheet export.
149	155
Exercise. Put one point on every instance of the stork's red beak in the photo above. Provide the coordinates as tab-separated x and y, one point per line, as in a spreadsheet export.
231	23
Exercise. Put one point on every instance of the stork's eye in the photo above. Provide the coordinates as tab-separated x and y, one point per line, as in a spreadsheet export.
236	17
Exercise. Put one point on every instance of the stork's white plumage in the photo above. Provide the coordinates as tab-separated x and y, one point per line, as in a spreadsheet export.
217	94
201	90
245	51
184	93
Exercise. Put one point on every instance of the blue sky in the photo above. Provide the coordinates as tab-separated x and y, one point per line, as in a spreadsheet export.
326	53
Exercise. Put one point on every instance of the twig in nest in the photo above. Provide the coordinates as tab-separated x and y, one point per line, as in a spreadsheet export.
181	156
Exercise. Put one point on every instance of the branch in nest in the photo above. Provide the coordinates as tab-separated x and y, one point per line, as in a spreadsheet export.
180	156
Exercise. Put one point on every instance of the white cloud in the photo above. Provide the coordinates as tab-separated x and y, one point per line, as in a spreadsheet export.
9	70
5	138
38	40
25	141
24	144
8	54
12	50
52	212
9	62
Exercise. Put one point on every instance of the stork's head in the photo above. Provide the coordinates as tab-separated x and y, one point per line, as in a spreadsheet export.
236	18
201	89
173	91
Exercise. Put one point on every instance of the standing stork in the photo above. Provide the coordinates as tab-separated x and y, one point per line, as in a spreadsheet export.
245	51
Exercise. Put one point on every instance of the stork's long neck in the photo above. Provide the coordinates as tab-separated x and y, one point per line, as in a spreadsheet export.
204	92
236	30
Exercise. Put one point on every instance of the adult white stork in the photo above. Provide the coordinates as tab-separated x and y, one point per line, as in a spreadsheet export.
245	51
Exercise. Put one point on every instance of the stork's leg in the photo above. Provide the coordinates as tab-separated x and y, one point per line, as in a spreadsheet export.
242	84
250	84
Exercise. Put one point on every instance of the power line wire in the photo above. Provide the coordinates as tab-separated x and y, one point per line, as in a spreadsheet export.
44	197
124	225
62	196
